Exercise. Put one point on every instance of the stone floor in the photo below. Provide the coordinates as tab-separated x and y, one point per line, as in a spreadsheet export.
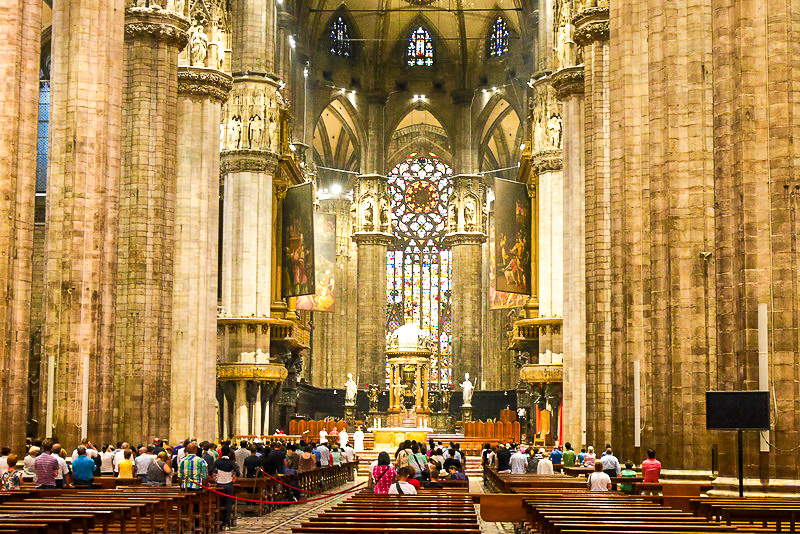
282	521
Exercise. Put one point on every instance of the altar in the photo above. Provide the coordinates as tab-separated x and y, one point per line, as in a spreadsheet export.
389	438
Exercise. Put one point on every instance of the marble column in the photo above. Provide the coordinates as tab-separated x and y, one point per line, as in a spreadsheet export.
153	39
591	34
82	209
755	259
465	236
569	89
201	92
20	23
375	151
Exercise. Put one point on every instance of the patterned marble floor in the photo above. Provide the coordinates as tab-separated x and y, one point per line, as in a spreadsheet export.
282	521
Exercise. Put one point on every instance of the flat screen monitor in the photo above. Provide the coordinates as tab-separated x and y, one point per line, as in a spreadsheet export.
734	410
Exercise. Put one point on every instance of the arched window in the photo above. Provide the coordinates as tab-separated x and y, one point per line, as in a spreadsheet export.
43	133
498	38
340	38
418	267
420	48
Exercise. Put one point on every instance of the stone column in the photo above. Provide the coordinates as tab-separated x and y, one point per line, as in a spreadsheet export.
466	234
82	208
153	39
20	23
201	92
757	202
569	89
591	33
372	237
464	158
375	152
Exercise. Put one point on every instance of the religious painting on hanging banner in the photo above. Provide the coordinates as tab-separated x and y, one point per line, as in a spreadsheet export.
324	264
512	221
297	241
500	299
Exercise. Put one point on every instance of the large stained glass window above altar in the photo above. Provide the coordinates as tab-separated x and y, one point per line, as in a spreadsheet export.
418	267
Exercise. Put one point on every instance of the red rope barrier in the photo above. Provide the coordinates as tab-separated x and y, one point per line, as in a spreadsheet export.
279	481
350	490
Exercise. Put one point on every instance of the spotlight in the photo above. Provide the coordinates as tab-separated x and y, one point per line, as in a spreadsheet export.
305	72
336	189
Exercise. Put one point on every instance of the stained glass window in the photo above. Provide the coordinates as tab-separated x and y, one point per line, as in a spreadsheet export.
340	38
418	268
43	132
420	48
498	39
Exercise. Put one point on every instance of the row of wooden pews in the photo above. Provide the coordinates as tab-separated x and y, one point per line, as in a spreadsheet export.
609	513
429	512
131	509
752	514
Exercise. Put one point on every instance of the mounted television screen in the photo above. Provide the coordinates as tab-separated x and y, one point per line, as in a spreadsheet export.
734	410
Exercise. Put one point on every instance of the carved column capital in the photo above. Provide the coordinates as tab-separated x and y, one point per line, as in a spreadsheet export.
591	25
158	24
568	82
232	161
204	82
547	161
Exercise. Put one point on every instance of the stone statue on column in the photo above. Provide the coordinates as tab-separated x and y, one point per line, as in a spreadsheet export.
467	387
350	389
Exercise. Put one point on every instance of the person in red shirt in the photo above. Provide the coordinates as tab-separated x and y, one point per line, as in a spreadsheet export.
411	480
651	467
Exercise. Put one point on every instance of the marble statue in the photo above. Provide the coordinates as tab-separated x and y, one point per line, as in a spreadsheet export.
256	131
358	440
467	388
554	129
350	388
234	132
199	46
469	216
369	216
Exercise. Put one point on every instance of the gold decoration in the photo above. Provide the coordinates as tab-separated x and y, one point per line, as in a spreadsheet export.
541	374
252	371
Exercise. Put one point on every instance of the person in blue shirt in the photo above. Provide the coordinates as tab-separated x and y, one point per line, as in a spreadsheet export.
82	469
556	455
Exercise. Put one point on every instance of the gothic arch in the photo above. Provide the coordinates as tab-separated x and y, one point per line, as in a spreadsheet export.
498	134
322	41
339	120
441	52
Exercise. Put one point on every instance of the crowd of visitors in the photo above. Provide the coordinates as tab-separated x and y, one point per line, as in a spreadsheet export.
416	465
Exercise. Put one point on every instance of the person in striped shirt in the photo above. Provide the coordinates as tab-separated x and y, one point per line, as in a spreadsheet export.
192	469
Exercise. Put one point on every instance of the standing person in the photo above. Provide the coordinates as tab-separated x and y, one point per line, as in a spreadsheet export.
274	463
503	459
324	455
610	463
159	473
192	470
241	453
107	461
402	486
29	463
556	456
46	467
545	465
91	451
383	474
307	461
598	480
82	469
119	455
651	468
348	454
253	463
126	466
226	471
336	456
589	458
628	472
143	461
518	463
581	457
533	460
209	455
568	458
402	454
12	478
418	462
63	476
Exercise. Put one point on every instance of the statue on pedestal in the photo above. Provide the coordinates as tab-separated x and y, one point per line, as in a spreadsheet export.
373	394
350	388
467	388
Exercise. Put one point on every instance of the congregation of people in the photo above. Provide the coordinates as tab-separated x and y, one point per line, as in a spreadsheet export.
415	466
518	459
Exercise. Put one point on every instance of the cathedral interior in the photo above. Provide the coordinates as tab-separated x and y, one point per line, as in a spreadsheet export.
218	209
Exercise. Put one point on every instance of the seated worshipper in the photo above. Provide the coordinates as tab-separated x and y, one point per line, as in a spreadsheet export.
433	483
253	464
610	463
519	463
383	474
651	468
533	459
29	463
568	458
503	460
545	465
556	456
455	474
439	457
628	472
411	478
589	458
581	456
307	461
402	486
12	478
402	454
598	480
125	467
192	469
225	472
159	473
82	469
